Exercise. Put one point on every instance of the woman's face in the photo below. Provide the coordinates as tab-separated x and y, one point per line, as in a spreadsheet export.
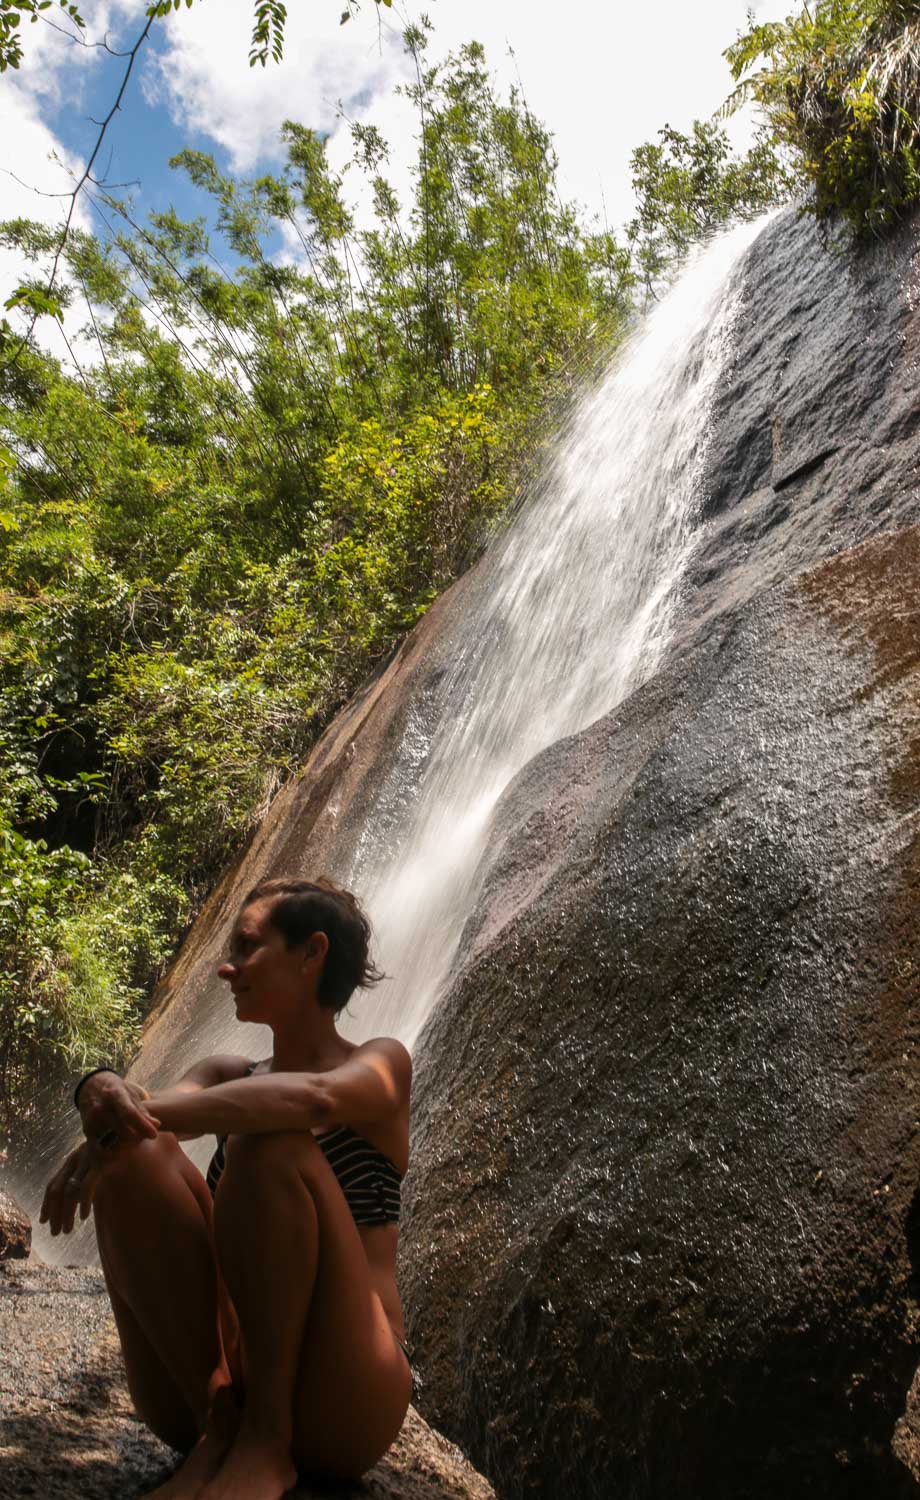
264	974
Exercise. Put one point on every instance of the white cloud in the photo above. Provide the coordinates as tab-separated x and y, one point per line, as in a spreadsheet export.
604	78
205	79
40	162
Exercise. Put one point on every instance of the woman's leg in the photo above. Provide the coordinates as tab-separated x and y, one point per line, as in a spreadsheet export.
324	1379
153	1226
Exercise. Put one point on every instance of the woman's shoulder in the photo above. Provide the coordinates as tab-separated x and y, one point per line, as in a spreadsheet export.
389	1049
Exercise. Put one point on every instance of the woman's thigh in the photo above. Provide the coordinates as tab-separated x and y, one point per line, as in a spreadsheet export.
353	1383
152	1212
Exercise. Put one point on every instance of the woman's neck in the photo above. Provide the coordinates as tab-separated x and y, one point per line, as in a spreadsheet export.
310	1044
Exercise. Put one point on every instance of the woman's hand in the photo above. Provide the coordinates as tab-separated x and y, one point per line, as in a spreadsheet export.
115	1111
71	1188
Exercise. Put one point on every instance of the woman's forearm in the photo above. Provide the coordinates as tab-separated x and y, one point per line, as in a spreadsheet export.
247	1106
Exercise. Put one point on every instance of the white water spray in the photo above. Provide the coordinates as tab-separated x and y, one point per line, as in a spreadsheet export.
575	610
578	611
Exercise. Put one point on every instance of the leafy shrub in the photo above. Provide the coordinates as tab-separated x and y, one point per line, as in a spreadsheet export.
840	87
686	186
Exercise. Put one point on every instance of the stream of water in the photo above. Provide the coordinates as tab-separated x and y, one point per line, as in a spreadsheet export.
576	608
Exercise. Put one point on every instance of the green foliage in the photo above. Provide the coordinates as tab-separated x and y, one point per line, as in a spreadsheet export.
69	965
11	14
688	185
37	300
839	85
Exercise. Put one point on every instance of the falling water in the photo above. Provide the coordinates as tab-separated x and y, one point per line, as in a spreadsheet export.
577	612
575	609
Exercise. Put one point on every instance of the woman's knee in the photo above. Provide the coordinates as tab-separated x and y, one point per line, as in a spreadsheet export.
132	1172
255	1160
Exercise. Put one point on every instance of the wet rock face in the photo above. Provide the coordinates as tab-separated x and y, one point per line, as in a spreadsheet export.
823	384
15	1230
814	437
664	1234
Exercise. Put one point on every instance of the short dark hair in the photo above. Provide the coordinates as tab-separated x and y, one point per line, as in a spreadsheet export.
301	907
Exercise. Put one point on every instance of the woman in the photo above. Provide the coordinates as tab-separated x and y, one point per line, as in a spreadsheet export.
258	1313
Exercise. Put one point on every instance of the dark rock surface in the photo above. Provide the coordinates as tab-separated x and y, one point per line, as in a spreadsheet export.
66	1427
814	436
665	1229
821	402
665	1226
15	1229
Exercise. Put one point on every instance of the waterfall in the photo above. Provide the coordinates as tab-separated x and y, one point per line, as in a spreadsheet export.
575	609
576	613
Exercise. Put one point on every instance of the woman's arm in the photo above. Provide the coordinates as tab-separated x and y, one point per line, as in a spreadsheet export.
117	1109
372	1085
116	1115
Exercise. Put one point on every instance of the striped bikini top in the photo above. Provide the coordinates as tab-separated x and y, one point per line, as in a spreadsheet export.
369	1180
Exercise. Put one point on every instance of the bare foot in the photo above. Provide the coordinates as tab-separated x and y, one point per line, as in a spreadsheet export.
205	1459
258	1467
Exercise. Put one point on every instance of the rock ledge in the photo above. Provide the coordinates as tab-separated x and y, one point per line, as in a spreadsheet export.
66	1427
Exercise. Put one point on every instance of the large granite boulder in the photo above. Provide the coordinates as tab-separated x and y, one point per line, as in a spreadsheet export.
665	1227
664	1236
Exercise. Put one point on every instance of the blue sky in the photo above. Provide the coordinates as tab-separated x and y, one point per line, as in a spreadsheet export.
604	79
138	143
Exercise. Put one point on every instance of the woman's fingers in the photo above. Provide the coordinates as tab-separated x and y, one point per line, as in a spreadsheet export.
114	1115
135	1121
68	1213
44	1212
108	1103
66	1191
86	1196
48	1214
132	1118
52	1208
77	1187
83	1182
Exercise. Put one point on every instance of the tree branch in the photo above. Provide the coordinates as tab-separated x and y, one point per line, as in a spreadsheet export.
87	170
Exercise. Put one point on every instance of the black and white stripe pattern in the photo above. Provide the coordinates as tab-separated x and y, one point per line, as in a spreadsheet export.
216	1165
368	1179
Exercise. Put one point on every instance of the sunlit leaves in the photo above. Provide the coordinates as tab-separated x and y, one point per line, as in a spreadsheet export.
839	85
37	300
687	185
12	13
